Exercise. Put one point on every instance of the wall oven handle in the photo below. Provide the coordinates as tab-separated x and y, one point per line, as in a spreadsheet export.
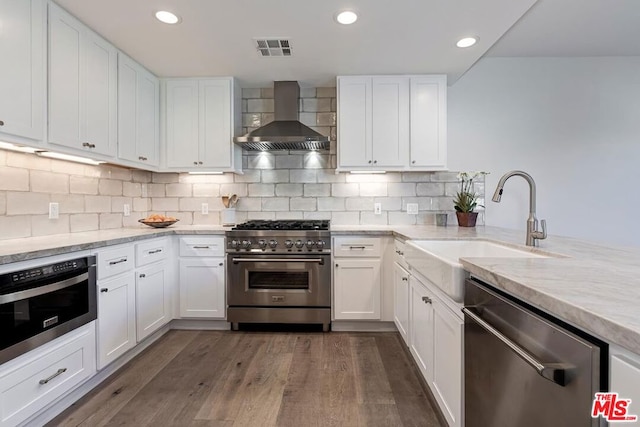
553	372
34	292
237	260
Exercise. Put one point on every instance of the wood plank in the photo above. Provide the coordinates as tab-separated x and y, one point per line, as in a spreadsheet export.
101	404
415	405
372	385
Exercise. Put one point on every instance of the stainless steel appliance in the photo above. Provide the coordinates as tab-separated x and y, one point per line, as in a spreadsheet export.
524	368
42	303
279	272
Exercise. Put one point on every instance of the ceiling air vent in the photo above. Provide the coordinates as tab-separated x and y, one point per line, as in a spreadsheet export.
273	46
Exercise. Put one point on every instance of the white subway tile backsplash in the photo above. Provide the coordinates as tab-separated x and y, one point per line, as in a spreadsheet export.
317	190
141	176
314	160
373	219
345	218
83	222
249	204
131	189
345	190
401	218
117	204
3	203
275	176
239	189
261	190
288	190
69	203
289	161
178	190
161	204
252	175
330	176
430	189
109	221
110	187
261	161
15	227
154	190
164	178
331	204
49	182
302	176
83	185
206	190
389	203
359	204
97	204
373	189
23	203
251	93
141	205
401	189
289	215
41	225
20	160
260	105
303	204
260	215
14	179
275	204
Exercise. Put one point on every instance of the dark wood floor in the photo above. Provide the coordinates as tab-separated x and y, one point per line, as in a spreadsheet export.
224	378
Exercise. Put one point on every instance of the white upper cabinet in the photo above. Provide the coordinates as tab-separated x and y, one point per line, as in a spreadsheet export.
428	122
22	74
138	114
82	87
392	123
201	118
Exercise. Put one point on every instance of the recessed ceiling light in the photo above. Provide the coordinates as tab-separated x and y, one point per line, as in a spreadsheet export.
346	17
167	17
467	42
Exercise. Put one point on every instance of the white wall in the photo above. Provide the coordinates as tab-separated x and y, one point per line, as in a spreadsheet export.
572	123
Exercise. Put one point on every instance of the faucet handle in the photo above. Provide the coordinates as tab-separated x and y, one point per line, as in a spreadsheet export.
543	234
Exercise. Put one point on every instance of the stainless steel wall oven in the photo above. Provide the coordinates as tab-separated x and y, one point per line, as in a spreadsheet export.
279	272
42	303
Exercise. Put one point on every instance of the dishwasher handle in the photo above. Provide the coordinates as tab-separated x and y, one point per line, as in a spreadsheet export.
554	372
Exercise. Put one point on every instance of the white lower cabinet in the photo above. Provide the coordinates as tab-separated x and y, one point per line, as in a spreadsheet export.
202	277
33	381
357	289
153	299
625	378
436	345
116	317
401	300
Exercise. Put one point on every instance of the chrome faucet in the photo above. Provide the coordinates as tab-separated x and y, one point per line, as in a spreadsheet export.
533	234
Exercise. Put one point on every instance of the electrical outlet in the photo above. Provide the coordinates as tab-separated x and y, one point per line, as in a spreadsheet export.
54	210
205	209
377	208
126	210
412	208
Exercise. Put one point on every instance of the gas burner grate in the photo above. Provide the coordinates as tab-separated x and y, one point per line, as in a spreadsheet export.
283	225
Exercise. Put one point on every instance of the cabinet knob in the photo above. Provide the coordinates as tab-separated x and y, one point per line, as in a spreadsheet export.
195	163
1	123
375	161
369	161
337	265
142	276
405	279
413	162
103	290
199	163
427	300
221	264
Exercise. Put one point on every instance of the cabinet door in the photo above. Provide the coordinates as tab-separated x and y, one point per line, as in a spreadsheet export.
447	362
625	379
390	124
357	289
429	122
116	317
421	328
215	123
138	108
99	89
354	122
182	123
23	70
401	301
65	39
153	304
202	288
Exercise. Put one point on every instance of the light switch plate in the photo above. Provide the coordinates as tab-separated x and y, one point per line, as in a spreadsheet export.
377	208
54	210
412	208
205	209
126	210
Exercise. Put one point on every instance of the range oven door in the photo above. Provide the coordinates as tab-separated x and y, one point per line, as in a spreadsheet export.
267	280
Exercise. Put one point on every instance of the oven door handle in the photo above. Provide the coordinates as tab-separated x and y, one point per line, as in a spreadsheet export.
41	290
316	260
554	372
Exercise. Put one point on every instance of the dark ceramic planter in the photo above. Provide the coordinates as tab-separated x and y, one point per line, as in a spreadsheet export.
467	219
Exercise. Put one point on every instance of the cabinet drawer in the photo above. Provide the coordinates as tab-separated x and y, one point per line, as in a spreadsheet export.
398	253
46	377
367	247
151	251
202	246
115	261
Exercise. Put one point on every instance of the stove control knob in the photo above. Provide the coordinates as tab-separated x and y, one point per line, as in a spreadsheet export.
299	243
235	244
310	244
273	243
320	244
262	243
288	244
246	244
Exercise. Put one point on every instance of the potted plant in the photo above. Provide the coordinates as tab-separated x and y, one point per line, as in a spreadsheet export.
466	200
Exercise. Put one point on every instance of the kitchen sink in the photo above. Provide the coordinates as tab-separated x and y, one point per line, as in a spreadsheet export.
439	260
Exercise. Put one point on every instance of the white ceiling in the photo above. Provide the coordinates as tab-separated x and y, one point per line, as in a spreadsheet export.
390	37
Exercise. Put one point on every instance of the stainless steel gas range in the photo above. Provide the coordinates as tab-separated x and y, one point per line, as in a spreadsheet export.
279	272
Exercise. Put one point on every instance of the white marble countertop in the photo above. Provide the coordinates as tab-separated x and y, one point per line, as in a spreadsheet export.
592	286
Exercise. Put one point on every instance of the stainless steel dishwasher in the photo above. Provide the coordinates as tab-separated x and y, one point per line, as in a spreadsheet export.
524	368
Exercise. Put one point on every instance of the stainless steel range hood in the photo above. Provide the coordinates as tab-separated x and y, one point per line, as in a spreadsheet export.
285	132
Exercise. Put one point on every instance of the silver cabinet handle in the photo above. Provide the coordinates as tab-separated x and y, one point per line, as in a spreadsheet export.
88	145
405	279
143	158
554	372
1	123
154	251
142	276
427	300
201	247
103	290
59	372
357	247
318	260
120	261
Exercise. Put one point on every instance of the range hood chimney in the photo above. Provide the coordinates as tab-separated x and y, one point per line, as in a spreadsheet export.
285	132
